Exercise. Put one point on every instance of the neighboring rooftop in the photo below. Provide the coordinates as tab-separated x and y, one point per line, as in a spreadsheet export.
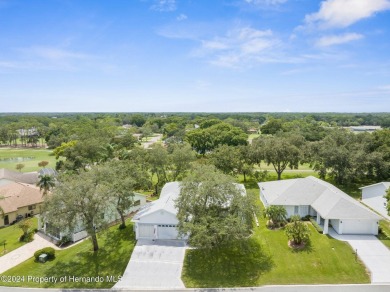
385	183
23	177
169	193
48	171
325	198
16	195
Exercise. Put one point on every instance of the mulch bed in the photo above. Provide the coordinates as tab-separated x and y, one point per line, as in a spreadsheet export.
291	244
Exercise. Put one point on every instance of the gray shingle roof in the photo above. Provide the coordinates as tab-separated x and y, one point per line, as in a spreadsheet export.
326	199
169	193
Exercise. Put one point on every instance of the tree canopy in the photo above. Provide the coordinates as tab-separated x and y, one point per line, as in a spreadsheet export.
212	209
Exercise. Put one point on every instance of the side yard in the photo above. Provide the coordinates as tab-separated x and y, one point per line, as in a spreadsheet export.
11	235
81	263
265	259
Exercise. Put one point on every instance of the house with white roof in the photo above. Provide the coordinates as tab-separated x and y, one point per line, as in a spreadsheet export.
157	220
374	197
315	197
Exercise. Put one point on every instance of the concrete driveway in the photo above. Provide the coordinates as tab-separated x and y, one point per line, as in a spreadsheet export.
154	265
372	252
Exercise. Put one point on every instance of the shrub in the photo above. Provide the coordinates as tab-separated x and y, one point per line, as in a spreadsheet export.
64	240
297	231
47	250
27	237
306	218
122	226
316	226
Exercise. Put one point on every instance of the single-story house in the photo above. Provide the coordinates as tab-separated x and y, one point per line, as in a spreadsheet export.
158	220
373	196
315	197
79	232
19	200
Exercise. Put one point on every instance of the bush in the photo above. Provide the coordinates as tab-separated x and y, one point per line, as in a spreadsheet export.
28	237
306	218
122	226
64	240
316	226
47	250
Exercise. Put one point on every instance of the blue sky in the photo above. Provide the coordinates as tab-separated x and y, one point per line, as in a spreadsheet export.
195	55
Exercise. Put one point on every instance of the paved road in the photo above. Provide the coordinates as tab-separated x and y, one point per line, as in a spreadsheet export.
23	253
154	265
374	254
290	288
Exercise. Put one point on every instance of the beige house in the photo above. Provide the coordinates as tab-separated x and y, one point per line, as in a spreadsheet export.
19	200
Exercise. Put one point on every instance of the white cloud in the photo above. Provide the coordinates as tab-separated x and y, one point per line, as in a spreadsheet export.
181	17
55	54
164	5
343	13
266	2
331	40
239	46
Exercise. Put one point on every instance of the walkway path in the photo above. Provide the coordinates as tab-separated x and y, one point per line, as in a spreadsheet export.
154	265
374	254
23	253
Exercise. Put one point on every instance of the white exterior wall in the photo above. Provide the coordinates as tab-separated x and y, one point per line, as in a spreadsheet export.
373	196
336	225
302	210
356	226
378	190
159	217
263	200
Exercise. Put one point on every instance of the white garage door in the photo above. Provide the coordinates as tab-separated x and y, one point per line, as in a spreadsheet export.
357	226
167	232
145	231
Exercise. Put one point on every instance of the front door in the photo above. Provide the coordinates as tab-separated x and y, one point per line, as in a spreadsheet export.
6	220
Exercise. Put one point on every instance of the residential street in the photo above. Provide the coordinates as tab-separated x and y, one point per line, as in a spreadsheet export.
295	288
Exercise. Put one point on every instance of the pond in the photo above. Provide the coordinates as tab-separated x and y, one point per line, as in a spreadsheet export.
16	159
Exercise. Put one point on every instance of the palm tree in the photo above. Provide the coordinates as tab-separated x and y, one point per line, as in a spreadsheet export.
46	183
276	215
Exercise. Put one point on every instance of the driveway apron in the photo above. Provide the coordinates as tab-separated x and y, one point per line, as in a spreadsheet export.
373	253
154	265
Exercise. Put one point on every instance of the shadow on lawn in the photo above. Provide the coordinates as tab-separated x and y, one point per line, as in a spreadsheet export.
108	261
236	265
308	248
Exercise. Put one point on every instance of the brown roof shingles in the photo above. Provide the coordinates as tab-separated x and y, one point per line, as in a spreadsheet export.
17	195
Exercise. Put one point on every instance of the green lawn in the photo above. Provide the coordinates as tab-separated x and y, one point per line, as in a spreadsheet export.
384	236
12	234
112	258
265	259
29	157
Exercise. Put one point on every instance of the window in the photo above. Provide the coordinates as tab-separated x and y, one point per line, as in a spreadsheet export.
137	203
32	207
296	210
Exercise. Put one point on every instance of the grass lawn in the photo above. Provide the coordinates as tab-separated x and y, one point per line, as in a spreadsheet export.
265	259
12	234
384	236
112	258
29	157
